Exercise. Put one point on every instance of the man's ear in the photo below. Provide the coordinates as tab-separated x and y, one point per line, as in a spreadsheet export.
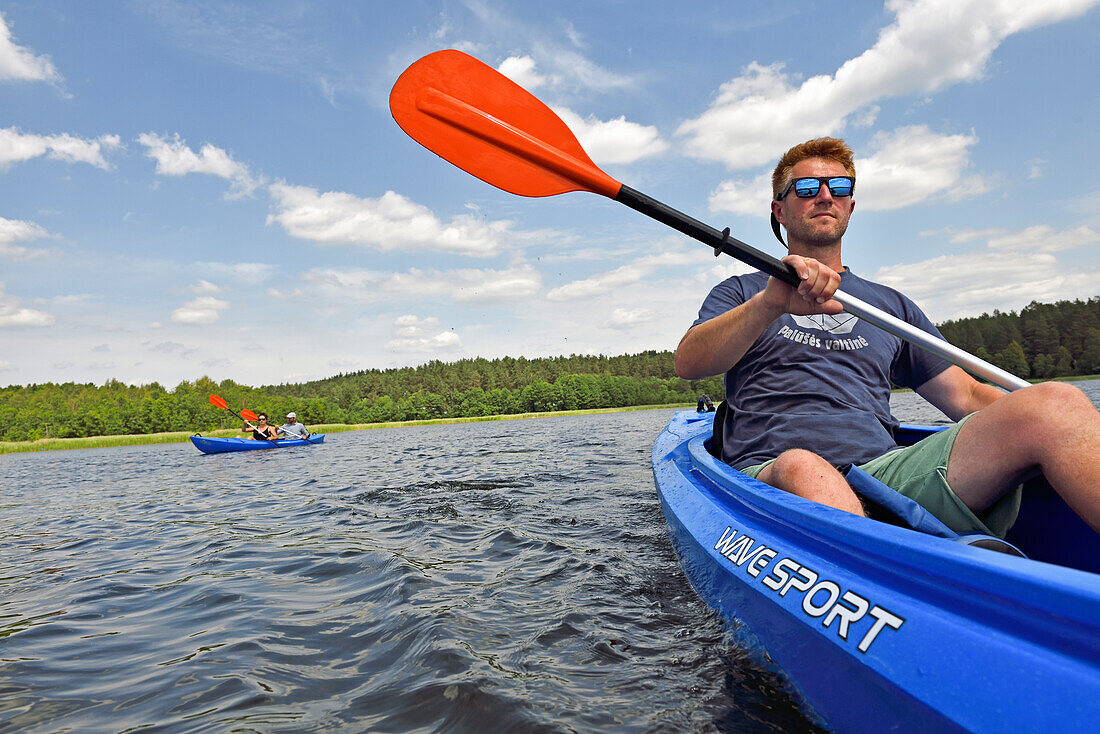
777	207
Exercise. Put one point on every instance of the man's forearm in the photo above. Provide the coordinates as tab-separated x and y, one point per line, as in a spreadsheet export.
982	395
713	347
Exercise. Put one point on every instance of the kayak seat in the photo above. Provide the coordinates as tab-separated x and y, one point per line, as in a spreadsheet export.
885	505
713	445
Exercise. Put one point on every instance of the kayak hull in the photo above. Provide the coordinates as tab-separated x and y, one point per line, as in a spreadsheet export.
224	445
877	627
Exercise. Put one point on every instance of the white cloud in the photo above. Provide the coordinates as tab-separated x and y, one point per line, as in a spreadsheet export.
465	285
931	44
1010	271
907	166
622	318
389	223
202	310
613	141
1044	238
164	347
1037	238
409	324
569	68
961	236
605	141
175	158
20	64
295	294
521	70
750	199
205	288
16	230
417	335
911	165
602	283
247	273
955	286
16	147
12	315
560	69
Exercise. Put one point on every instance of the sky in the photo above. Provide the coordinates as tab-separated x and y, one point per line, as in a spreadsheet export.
218	189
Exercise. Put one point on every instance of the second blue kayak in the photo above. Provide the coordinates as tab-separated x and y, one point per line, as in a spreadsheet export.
222	445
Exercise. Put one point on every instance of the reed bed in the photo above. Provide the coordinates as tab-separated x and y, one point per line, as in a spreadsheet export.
99	442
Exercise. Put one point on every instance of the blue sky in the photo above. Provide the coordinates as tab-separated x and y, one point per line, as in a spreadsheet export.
192	188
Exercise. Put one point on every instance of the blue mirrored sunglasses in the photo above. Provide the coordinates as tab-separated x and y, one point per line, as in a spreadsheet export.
805	188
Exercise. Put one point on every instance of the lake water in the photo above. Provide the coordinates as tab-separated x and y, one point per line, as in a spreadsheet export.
481	577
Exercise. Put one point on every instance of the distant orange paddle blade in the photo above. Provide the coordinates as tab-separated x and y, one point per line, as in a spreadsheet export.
215	400
481	121
249	415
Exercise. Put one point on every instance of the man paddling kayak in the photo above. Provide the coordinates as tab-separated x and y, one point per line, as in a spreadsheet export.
808	386
292	428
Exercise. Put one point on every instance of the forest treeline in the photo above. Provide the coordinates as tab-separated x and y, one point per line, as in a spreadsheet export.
467	388
1042	341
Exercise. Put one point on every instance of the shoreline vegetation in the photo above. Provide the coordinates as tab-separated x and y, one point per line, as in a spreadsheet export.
145	439
1042	342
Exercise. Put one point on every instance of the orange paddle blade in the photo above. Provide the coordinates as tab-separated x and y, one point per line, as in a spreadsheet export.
470	114
215	400
249	415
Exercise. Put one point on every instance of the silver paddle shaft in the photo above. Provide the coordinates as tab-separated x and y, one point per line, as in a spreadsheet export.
928	342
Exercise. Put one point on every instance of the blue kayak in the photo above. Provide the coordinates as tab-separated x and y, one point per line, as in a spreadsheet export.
880	627
222	445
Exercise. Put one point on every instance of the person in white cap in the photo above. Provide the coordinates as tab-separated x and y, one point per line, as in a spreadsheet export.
292	428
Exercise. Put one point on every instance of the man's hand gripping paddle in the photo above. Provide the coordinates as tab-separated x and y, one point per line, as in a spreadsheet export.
476	118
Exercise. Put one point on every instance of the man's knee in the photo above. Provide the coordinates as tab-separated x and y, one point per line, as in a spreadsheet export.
1050	407
808	475
799	465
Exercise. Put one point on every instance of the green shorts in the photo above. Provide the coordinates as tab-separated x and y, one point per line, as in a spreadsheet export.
920	473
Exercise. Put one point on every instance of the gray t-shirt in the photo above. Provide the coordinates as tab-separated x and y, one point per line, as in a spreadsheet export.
295	430
820	383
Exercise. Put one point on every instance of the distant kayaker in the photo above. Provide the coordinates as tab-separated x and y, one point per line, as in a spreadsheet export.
292	428
261	431
808	386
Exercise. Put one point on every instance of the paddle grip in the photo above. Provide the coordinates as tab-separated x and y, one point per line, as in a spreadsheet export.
720	241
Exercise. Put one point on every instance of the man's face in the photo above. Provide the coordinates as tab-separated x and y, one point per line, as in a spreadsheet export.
819	220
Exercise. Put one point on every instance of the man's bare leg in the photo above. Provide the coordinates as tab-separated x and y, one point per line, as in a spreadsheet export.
806	474
1050	427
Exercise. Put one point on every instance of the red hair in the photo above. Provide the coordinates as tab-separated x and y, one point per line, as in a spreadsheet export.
831	149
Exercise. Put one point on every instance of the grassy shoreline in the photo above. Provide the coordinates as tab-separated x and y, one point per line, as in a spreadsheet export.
96	442
143	439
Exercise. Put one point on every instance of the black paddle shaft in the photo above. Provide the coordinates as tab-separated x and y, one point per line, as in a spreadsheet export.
720	241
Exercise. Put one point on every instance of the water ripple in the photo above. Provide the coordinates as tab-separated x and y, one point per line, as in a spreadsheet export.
471	578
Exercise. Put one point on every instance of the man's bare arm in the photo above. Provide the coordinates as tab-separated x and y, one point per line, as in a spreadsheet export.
958	394
713	347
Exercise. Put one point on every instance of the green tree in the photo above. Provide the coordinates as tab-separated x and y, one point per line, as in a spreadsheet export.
1089	361
1043	367
1012	359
